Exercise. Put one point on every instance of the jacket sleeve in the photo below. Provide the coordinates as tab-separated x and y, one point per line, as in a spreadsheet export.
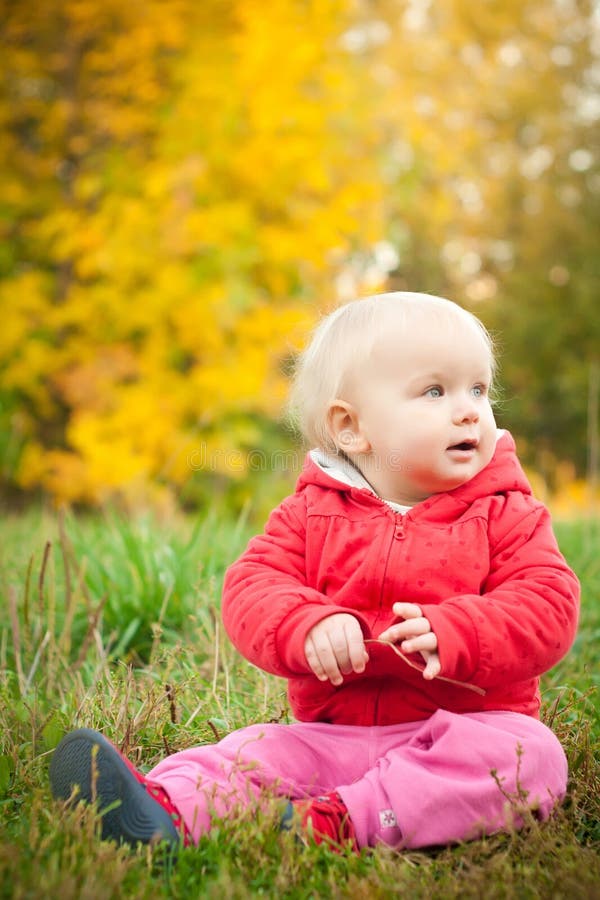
267	606
525	619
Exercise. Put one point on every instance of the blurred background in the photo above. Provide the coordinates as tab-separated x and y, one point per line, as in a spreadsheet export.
186	186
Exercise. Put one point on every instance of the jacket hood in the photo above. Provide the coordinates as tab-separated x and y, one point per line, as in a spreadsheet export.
502	474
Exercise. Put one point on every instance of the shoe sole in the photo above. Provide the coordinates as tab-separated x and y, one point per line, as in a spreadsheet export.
85	767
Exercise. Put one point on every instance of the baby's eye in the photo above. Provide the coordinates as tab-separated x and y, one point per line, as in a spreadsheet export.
479	390
435	391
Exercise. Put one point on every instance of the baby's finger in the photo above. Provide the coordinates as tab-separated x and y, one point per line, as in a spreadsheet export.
357	654
387	635
407	610
405	630
433	666
341	651
321	659
420	644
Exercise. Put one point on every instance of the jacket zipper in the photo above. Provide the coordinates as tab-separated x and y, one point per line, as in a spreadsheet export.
399	527
398	534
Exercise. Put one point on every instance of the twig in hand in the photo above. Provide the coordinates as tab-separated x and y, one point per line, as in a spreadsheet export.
414	665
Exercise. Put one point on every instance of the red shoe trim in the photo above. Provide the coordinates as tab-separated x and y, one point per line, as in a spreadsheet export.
328	819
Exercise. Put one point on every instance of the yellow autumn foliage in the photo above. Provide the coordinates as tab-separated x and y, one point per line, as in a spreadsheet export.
187	185
187	174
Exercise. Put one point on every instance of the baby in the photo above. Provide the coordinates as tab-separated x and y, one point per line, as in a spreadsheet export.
411	591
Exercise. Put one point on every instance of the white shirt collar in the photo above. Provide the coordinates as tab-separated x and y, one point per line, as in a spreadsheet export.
341	469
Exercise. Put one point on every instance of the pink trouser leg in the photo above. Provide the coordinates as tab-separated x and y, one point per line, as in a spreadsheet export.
408	785
300	760
453	778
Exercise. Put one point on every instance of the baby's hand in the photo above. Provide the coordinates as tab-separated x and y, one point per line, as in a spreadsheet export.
416	636
335	647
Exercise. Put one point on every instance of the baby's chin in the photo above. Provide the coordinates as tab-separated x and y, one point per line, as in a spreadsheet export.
443	484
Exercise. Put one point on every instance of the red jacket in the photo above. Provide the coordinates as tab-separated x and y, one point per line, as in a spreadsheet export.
480	560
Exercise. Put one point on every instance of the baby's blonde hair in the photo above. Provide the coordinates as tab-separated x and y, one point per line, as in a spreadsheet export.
343	342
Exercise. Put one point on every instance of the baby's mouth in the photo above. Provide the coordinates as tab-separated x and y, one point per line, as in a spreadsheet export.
464	445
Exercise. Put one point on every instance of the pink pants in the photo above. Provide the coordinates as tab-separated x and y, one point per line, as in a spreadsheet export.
442	780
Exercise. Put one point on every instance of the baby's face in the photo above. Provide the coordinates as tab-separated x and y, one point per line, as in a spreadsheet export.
424	423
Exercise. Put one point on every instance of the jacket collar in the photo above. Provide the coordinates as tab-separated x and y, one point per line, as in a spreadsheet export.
503	473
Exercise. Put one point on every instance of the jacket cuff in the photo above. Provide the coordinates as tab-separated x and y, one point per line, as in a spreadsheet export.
458	644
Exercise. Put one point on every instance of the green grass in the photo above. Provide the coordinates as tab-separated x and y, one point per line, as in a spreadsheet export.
115	626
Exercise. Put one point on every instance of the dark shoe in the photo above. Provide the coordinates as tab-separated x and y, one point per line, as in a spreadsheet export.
320	820
86	767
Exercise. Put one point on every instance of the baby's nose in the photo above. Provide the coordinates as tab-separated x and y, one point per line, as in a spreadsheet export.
466	411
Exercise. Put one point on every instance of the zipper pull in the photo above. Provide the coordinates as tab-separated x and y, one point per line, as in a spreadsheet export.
399	530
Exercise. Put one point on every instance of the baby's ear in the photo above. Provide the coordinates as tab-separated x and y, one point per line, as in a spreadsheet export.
345	428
